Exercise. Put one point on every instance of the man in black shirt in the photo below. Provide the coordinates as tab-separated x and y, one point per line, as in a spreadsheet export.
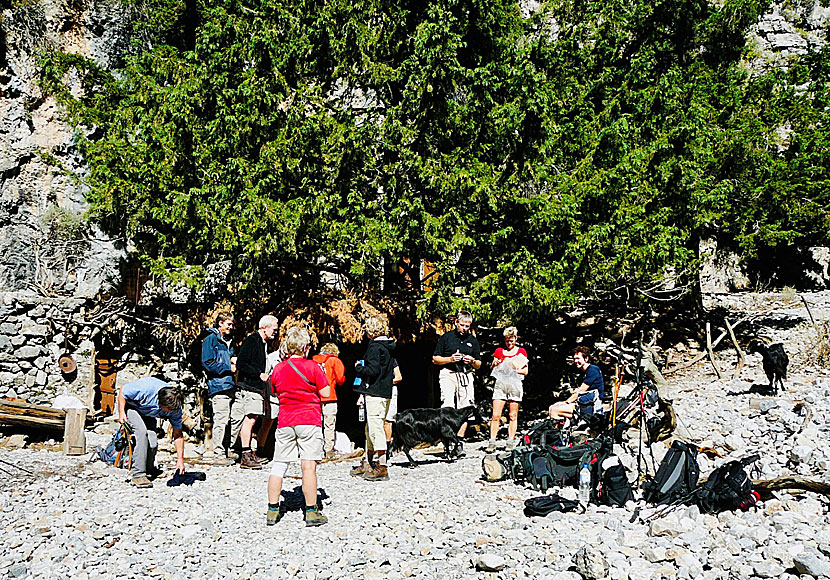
252	385
459	354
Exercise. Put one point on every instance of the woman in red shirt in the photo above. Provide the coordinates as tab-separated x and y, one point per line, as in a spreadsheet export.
510	368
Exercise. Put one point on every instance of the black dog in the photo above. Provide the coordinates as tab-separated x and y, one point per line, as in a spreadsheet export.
775	362
414	426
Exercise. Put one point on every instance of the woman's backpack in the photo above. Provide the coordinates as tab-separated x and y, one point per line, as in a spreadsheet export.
613	488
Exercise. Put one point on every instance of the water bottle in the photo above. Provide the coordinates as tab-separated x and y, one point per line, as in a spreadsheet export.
584	485
361	410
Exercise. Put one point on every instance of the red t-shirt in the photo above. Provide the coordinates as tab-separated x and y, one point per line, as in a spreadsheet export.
299	400
499	354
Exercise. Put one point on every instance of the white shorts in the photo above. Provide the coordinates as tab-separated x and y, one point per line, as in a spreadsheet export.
393	406
298	442
457	389
505	392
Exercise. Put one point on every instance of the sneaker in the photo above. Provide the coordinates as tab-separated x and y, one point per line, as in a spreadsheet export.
511	444
313	517
262	460
359	470
459	451
249	461
223	461
273	516
491	447
377	473
141	481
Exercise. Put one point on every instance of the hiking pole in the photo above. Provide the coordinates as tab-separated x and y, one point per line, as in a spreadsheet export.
17	467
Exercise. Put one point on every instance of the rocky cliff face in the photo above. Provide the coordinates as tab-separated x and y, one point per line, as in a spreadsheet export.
46	245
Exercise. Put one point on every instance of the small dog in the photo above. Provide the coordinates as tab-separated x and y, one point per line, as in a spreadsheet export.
414	426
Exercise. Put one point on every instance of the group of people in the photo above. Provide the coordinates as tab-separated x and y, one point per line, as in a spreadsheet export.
300	394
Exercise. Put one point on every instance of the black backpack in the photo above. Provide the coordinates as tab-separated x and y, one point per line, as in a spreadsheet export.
542	506
613	488
546	433
726	488
676	478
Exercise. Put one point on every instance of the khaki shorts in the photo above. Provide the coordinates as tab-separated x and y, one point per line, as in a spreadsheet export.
298	442
376	408
249	403
457	389
393	406
505	392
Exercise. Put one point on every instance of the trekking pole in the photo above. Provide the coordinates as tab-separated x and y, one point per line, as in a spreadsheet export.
10	464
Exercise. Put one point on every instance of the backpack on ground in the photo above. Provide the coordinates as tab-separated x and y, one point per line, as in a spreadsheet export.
497	467
676	478
542	506
546	433
727	487
119	451
613	488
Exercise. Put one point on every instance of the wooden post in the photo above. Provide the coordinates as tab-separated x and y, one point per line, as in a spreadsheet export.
710	351
74	438
739	367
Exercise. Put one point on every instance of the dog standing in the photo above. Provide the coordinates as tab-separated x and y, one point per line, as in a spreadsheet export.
414	426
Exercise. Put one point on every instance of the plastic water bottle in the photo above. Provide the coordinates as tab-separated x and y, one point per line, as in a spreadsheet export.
361	411
584	485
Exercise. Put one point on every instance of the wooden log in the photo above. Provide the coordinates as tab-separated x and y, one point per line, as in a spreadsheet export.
739	367
74	438
29	415
765	487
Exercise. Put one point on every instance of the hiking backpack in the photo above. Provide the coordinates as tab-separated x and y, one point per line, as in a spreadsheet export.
546	433
613	488
497	467
543	468
727	487
542	506
676	478
119	451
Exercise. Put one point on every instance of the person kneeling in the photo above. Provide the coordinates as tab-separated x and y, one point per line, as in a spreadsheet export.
588	395
299	384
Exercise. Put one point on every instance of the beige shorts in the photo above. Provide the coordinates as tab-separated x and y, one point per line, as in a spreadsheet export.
457	389
393	406
250	403
273	407
376	408
505	392
298	442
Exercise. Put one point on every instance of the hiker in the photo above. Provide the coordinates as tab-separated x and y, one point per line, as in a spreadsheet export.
219	364
300	385
252	384
376	372
140	403
588	395
458	353
336	374
397	377
509	366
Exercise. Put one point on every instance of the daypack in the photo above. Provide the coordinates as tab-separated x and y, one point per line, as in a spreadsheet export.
613	488
497	467
542	506
119	451
543	468
676	478
727	487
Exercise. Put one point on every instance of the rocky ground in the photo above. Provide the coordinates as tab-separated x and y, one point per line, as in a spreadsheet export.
65	518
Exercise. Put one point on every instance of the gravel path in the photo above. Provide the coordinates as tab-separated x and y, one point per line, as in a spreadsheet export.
73	519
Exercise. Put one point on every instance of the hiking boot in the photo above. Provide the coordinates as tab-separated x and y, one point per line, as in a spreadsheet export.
491	447
459	451
359	470
377	473
249	461
141	481
330	455
223	461
313	517
511	444
273	516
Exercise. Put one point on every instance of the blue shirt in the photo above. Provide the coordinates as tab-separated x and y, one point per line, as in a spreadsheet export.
143	396
593	378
